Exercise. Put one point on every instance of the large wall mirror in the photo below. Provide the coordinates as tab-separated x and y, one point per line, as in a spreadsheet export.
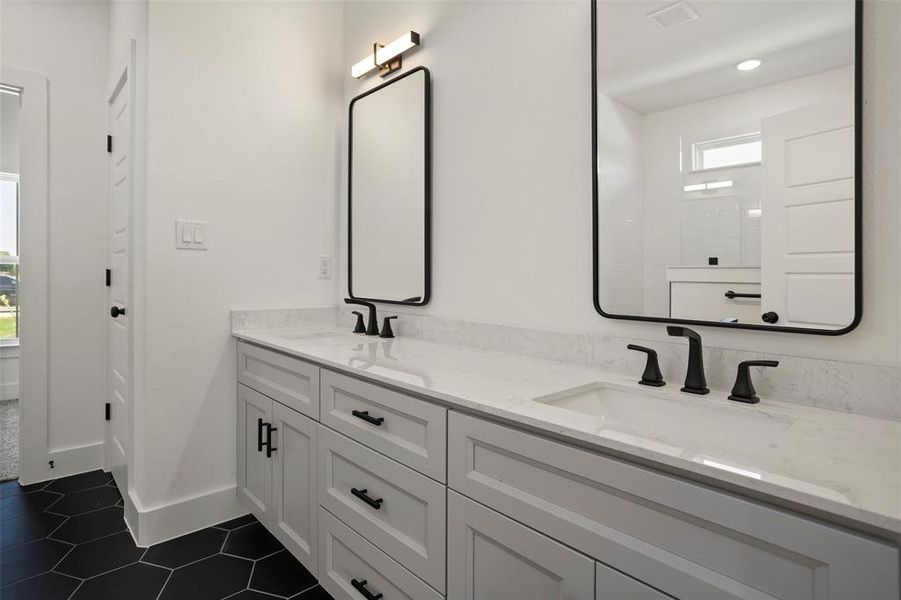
727	162
389	186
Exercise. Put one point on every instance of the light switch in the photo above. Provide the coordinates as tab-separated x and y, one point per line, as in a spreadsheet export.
190	235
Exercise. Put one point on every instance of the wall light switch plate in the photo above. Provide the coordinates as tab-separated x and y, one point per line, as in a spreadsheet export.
325	266
190	235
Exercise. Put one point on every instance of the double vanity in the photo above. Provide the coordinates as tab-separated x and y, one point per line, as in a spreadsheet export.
401	468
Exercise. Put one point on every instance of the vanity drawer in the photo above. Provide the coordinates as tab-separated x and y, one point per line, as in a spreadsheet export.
346	557
405	428
291	381
397	509
684	539
610	584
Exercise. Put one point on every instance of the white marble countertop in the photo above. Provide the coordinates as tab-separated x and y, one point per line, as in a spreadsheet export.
835	463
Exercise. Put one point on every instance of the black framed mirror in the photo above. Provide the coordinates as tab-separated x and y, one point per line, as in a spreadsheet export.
726	140
389	191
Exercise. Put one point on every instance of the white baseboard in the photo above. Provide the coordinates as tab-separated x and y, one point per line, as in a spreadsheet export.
152	526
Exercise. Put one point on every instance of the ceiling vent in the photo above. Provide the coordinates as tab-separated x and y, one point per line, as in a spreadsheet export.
679	13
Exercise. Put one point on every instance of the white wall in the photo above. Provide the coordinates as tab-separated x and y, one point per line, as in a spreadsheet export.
243	113
621	206
67	42
512	171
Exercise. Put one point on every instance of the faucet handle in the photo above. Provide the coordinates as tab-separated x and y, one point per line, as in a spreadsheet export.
743	390
387	332
652	375
359	327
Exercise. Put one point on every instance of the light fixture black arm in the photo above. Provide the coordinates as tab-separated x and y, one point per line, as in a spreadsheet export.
695	380
373	327
652	375
743	390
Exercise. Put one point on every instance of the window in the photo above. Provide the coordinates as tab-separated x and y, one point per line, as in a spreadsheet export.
737	151
9	256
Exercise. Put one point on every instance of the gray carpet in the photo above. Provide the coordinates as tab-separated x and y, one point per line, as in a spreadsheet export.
9	439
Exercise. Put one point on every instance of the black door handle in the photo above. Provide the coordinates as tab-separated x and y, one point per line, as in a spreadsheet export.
115	311
269	448
730	294
259	435
375	503
360	586
364	414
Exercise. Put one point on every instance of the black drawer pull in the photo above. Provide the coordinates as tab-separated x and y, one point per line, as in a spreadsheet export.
259	435
364	414
730	294
360	586
269	448
375	503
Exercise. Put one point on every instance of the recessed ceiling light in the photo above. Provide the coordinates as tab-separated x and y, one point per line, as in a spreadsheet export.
748	65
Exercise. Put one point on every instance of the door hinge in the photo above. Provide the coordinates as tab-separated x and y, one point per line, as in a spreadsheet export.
109	277
109	143
106	411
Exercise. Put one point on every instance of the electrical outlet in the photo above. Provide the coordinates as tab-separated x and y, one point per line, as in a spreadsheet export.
325	266
190	235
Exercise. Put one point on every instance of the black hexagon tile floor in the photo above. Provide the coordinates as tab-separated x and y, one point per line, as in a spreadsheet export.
66	539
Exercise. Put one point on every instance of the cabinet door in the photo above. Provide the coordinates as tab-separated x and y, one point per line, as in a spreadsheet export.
254	469
294	503
610	584
490	556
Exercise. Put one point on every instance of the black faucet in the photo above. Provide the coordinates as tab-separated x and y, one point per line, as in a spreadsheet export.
373	327
743	390
695	381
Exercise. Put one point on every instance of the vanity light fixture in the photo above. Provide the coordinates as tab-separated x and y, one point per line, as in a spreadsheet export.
712	185
749	65
387	58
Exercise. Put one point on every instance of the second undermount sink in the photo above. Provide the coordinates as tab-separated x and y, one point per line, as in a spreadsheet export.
672	417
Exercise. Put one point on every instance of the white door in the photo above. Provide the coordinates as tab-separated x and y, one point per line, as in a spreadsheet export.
490	557
295	505
254	467
119	329
807	227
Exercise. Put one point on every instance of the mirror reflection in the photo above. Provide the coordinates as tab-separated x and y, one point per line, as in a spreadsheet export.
388	191
726	161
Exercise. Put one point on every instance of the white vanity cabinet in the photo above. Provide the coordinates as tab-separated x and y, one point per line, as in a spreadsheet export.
490	557
278	484
378	491
254	474
681	538
276	449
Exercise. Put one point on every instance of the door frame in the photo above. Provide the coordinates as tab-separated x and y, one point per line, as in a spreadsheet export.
34	252
124	75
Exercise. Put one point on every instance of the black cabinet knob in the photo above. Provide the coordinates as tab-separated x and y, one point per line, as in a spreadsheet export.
115	311
769	317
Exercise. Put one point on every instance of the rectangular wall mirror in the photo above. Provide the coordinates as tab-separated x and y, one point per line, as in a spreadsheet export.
389	187
727	162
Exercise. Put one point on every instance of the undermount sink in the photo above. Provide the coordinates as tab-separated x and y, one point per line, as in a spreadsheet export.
672	417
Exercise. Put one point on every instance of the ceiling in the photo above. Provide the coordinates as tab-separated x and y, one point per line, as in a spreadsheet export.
648	67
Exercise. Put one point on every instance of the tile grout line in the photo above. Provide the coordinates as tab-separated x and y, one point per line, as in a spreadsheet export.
93	510
165	583
30	577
